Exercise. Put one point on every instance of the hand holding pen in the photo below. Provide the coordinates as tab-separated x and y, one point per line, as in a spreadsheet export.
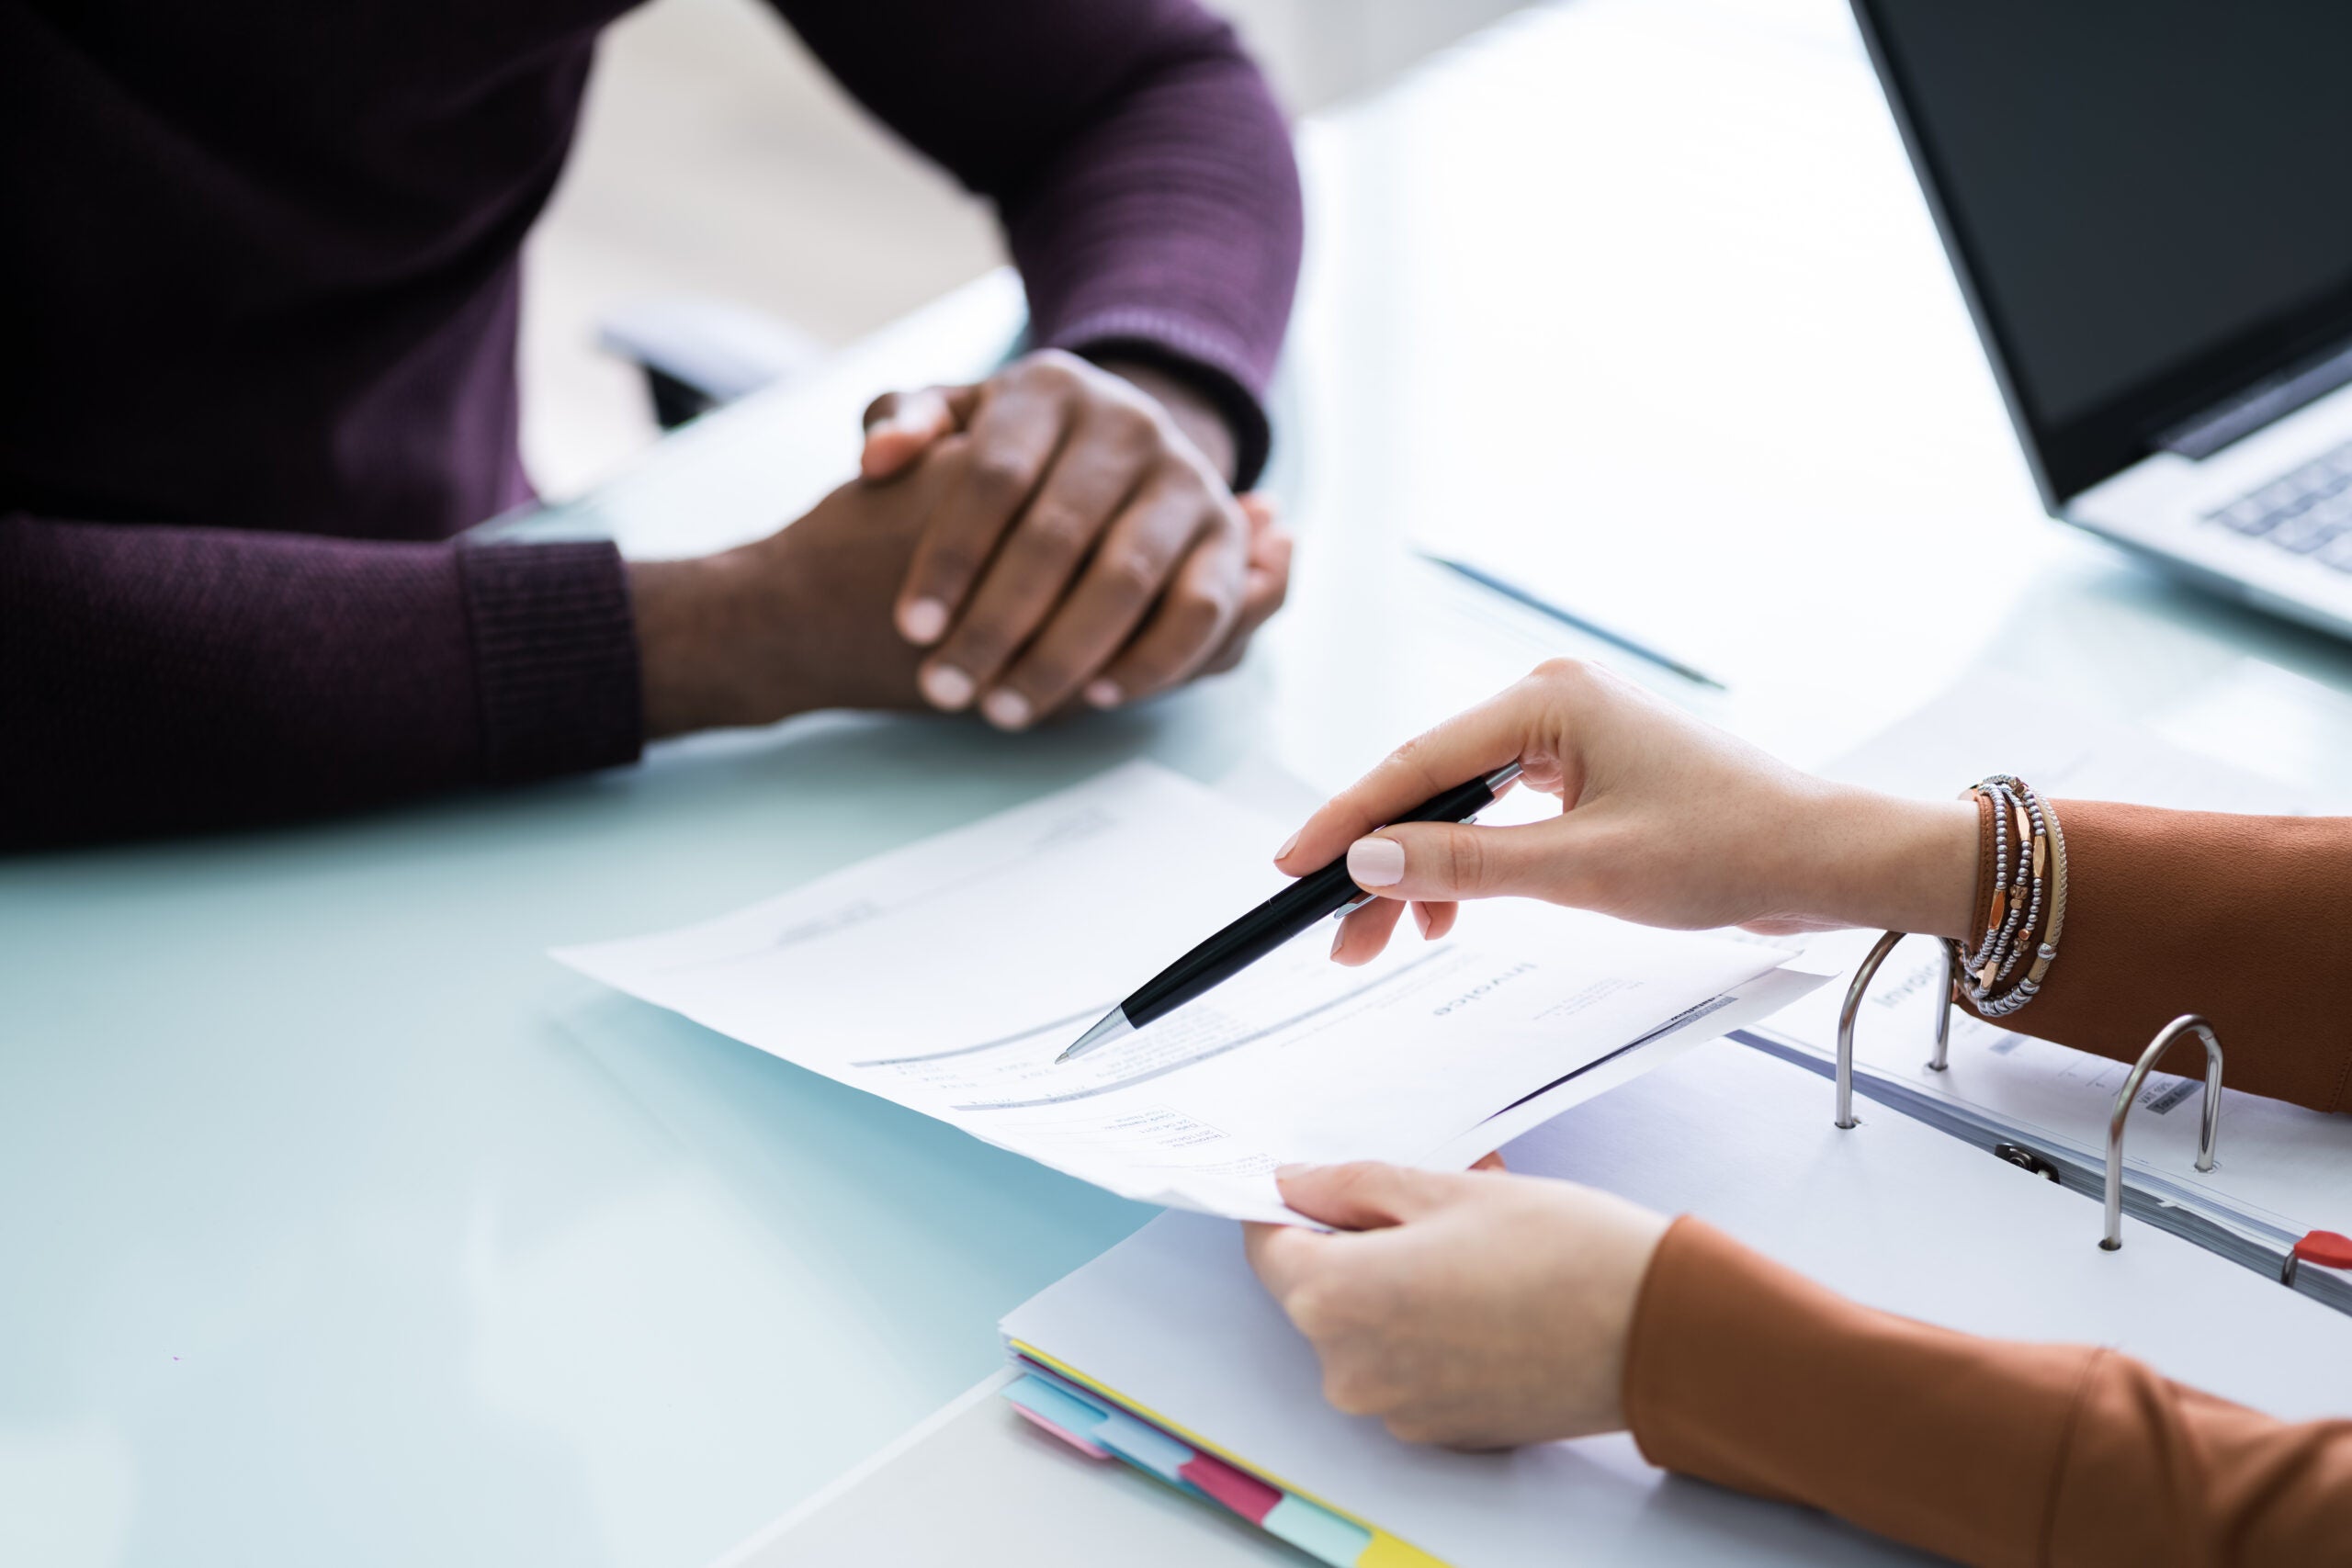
1664	821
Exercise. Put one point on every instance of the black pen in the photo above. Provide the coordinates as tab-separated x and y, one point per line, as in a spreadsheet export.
1566	617
1270	924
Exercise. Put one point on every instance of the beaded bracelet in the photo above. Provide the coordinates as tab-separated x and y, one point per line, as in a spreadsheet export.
2020	893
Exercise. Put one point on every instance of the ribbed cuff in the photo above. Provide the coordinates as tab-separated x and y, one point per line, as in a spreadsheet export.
555	658
1181	346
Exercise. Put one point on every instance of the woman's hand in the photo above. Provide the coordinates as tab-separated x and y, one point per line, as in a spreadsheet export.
1663	821
1478	1310
1095	550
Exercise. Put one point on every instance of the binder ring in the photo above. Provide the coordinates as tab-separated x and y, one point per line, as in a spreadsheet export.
1853	1006
2187	1023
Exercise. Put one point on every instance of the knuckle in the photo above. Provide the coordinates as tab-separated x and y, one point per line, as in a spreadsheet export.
1422	1430
950	561
1412	757
981	645
1564	675
1309	1307
1043	677
1465	860
1133	575
1057	532
1129	428
1056	369
1348	1391
1195	616
1001	476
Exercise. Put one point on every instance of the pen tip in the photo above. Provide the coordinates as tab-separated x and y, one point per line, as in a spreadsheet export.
1113	1024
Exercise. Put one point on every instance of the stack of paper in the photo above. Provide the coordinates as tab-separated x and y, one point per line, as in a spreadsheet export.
948	974
1171	1328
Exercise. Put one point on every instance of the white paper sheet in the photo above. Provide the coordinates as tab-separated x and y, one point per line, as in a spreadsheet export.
1891	1213
947	975
2284	1167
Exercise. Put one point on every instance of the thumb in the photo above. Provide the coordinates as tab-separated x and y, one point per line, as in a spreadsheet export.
900	425
1441	862
1363	1195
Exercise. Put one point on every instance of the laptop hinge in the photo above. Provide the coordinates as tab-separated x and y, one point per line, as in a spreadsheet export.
2265	402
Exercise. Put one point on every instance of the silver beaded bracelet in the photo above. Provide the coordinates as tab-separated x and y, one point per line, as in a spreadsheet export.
2039	877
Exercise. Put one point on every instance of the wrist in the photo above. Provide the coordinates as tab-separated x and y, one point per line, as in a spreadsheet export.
697	631
1907	865
1192	411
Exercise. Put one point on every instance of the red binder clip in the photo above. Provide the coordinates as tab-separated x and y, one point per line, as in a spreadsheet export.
2326	1248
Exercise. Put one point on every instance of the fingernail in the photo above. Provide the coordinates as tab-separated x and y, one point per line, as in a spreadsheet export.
924	620
1376	862
1338	937
1005	708
1103	694
1291	1172
1288	844
1422	918
947	687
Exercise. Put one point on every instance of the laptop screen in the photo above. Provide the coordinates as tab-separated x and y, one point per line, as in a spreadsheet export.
2149	201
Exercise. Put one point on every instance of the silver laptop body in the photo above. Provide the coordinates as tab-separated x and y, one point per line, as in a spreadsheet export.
2149	207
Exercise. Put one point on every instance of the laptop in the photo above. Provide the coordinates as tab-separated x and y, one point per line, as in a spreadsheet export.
2149	206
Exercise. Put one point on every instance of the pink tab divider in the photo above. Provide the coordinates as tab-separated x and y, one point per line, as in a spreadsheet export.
1238	1490
1092	1450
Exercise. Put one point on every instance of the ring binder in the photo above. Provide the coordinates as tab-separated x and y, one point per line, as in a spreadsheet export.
2187	1023
1853	1006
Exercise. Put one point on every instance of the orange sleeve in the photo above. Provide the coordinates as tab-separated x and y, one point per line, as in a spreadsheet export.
2238	918
1743	1373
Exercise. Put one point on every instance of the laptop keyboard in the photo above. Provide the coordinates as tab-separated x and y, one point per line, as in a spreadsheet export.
2308	511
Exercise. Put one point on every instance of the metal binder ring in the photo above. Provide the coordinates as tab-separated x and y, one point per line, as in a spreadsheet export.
2187	1023
1943	1059
1853	1005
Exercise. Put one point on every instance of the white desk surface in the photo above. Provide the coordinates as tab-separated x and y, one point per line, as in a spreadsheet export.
341	1225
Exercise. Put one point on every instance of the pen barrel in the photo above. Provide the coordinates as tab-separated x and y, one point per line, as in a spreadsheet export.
1311	899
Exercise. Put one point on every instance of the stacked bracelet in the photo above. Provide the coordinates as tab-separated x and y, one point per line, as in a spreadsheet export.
2003	970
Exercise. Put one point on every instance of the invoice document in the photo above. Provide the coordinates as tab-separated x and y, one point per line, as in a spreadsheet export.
947	975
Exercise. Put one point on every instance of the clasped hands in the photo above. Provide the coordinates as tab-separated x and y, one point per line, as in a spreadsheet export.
1060	533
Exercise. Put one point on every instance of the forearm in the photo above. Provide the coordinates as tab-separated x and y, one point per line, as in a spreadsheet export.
2167	912
2240	918
1141	166
161	678
1745	1374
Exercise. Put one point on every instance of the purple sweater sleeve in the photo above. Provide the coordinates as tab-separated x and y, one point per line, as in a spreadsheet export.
156	679
1142	169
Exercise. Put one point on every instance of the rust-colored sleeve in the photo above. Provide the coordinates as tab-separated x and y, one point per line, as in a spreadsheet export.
2241	918
1743	1373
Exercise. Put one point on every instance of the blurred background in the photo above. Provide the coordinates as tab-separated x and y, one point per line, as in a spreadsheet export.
717	160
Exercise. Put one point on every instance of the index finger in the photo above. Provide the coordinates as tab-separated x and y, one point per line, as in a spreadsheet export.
1284	1255
1013	437
1467	746
900	425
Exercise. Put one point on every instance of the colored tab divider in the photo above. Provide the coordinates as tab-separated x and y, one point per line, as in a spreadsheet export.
1318	1532
1092	1424
1063	1414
